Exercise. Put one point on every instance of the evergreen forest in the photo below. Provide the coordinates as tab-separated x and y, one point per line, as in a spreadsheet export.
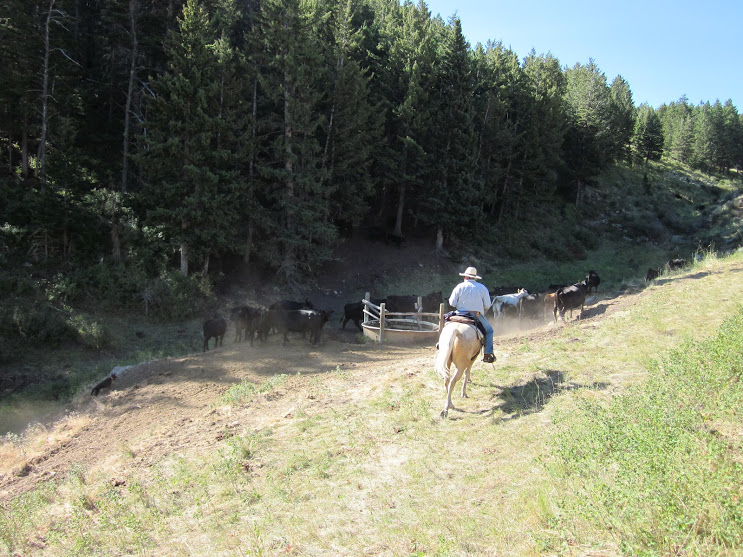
166	140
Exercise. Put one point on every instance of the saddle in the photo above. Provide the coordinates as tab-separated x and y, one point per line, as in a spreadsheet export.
466	319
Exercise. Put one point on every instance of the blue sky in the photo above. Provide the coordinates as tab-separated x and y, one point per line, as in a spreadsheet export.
662	49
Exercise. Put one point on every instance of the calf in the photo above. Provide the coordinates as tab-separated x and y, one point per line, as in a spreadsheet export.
105	384
570	298
549	301
247	320
674	264
300	321
215	328
593	281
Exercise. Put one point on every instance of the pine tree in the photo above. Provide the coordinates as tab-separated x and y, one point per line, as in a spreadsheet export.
412	55
647	139
186	190
623	117
293	81
544	121
589	138
451	183
678	130
353	126
499	96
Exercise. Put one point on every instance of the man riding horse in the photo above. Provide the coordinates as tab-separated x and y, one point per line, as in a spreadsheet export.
471	297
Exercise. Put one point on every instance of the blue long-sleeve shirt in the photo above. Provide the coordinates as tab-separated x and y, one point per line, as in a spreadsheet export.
471	296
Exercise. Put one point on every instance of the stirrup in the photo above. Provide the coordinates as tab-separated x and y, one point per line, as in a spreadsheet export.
488	358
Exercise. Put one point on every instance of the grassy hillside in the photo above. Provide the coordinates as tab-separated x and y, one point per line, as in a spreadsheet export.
616	434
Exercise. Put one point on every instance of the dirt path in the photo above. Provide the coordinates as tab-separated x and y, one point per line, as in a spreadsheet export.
172	405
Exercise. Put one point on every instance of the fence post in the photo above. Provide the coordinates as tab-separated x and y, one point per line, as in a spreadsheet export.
441	317
365	307
382	311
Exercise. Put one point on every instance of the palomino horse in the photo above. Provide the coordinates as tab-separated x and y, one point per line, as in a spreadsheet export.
459	344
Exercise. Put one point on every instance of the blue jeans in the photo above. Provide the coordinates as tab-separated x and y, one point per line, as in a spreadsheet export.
488	334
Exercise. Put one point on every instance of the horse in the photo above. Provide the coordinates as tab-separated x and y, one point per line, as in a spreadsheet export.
459	344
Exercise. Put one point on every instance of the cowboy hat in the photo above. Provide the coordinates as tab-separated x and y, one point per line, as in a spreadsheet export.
470	272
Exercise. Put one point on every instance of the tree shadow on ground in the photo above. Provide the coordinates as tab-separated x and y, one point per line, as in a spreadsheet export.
528	398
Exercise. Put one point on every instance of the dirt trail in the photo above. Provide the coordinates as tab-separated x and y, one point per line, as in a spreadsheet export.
172	405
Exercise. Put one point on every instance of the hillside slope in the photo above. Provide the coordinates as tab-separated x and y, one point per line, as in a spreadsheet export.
340	448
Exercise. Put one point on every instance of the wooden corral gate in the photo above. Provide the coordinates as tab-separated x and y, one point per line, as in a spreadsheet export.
399	323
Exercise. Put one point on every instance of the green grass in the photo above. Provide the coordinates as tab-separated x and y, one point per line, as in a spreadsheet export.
660	466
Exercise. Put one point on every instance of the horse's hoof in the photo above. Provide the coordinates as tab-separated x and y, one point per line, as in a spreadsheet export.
444	413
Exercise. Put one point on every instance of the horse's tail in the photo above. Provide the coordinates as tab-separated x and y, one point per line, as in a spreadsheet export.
446	345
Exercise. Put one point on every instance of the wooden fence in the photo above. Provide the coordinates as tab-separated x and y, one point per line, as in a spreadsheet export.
388	319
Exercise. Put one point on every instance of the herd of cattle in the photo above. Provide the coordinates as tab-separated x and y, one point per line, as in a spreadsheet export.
251	322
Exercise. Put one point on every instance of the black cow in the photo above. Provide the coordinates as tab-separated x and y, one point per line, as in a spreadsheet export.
652	274
432	301
247	320
406	304
299	321
216	328
570	298
593	281
355	312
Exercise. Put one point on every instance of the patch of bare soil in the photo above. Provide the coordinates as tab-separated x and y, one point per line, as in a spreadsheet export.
172	406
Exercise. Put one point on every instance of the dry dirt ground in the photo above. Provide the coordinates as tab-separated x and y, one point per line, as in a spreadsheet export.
173	406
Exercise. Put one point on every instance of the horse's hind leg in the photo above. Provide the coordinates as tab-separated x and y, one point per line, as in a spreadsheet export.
449	389
466	380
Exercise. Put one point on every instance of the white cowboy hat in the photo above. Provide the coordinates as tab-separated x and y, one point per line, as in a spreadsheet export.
470	272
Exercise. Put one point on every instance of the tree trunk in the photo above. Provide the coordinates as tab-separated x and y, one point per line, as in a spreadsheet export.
133	6
248	243
400	209
251	171
10	152
184	251
440	240
24	148
184	258
289	167
45	96
115	243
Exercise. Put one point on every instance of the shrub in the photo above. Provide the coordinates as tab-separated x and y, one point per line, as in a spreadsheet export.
176	297
37	323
